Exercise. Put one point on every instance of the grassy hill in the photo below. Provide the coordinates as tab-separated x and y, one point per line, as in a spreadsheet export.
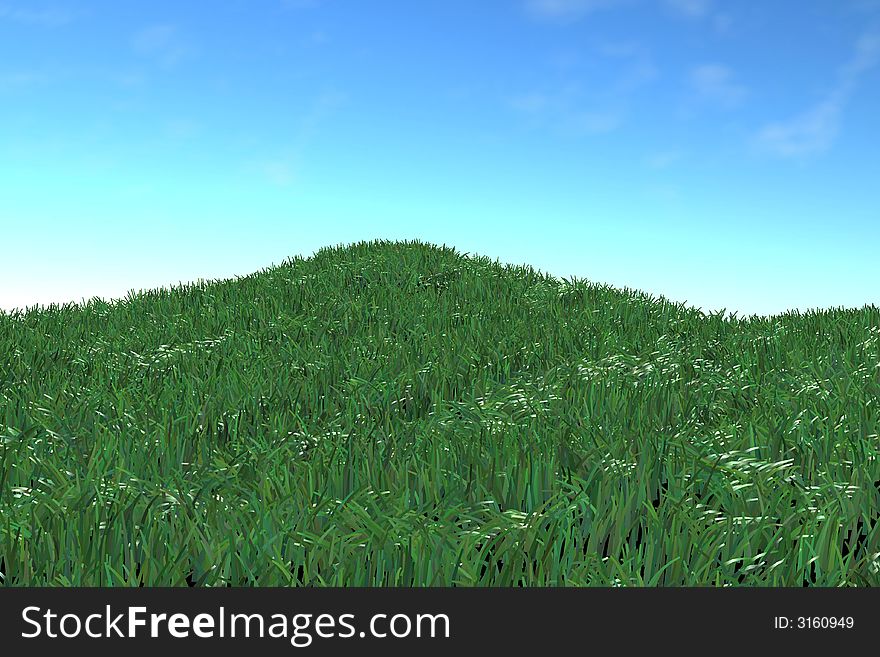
402	414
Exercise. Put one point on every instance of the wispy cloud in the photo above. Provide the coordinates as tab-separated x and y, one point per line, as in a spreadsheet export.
567	110
16	80
182	128
587	123
639	68
715	84
815	130
568	10
324	105
865	6
630	59
562	112
163	43
316	38
126	79
663	159
866	57
690	8
533	103
45	17
620	49
662	192
700	10
282	167
280	172
300	4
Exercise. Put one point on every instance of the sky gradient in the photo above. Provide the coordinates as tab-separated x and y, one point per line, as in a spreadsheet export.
724	154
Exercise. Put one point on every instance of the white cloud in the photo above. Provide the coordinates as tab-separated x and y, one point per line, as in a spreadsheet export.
715	84
866	57
565	10
317	38
868	6
663	159
162	43
722	22
182	128
562	112
300	4
279	172
532	103
569	111
15	80
322	108
153	39
620	49
127	79
48	17
690	8
581	124
663	193
640	69
700	10
282	167
814	130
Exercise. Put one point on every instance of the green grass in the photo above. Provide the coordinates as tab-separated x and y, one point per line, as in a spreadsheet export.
402	414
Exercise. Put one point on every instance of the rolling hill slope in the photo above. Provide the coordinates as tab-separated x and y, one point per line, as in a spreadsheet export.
396	413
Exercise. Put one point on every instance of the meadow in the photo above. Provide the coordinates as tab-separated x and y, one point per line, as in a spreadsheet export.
397	413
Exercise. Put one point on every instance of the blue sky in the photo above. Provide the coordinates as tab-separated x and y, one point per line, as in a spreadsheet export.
722	153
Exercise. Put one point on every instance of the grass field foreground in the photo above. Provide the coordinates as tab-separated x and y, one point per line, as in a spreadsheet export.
396	413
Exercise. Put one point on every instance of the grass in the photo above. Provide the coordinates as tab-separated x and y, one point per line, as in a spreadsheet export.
395	413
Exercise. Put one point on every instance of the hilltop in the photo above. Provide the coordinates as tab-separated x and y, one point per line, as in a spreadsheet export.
397	413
